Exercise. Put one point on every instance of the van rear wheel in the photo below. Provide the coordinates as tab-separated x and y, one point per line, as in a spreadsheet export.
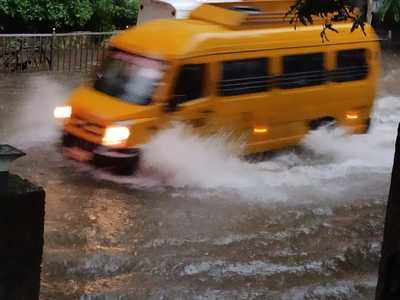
326	122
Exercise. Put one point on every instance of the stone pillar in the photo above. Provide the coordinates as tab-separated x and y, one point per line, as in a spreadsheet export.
389	270
21	232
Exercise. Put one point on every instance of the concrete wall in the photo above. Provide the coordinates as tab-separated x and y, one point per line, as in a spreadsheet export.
389	273
21	239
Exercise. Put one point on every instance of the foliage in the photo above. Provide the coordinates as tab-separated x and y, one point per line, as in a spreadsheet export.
111	14
66	15
331	11
390	11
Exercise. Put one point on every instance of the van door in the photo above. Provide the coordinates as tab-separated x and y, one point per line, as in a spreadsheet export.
303	92
190	102
244	88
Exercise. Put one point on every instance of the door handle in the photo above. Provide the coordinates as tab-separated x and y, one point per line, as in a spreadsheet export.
206	111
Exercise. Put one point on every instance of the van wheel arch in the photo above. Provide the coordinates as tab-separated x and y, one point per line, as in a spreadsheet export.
328	122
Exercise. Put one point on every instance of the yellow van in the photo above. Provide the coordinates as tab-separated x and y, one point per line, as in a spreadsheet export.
241	68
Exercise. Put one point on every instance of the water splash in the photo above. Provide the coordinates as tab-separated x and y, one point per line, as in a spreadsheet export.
177	158
331	164
185	159
33	121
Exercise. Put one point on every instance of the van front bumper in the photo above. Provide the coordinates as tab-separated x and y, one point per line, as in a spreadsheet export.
101	156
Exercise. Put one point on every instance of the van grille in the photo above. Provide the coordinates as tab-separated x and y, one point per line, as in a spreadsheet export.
85	125
73	141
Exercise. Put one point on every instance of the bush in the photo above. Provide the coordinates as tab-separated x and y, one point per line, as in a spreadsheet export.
112	14
66	15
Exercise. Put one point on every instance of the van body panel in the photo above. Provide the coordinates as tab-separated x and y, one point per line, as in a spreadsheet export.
93	104
177	39
279	114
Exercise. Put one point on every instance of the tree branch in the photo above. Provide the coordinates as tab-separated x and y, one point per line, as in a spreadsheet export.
330	11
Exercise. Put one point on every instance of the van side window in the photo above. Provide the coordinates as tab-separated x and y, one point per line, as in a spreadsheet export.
189	83
244	77
351	65
302	70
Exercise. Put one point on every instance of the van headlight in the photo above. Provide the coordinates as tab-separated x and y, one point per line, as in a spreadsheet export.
115	135
62	112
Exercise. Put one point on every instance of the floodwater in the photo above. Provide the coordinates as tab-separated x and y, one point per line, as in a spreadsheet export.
197	222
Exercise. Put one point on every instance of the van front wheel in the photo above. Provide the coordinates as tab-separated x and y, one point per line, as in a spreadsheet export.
119	163
127	168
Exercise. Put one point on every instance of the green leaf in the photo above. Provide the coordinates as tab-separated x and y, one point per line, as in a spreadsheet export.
66	15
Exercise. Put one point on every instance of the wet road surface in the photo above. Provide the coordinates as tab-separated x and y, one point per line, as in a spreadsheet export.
306	224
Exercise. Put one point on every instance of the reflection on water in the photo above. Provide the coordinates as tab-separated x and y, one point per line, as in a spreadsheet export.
305	224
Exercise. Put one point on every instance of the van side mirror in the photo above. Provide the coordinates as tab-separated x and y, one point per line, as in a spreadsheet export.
98	73
173	103
170	106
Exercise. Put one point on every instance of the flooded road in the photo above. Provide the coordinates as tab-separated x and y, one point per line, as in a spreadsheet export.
304	224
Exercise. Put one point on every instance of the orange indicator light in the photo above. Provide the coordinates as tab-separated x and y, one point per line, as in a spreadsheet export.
260	130
352	116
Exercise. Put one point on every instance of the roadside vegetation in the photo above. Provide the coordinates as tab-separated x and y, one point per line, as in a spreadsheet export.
304	11
389	15
34	16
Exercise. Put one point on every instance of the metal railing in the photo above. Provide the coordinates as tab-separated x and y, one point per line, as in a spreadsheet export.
67	52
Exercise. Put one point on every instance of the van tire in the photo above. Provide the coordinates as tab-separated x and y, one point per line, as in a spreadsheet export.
127	168
325	122
122	167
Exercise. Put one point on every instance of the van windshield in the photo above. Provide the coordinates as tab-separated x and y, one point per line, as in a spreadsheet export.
130	78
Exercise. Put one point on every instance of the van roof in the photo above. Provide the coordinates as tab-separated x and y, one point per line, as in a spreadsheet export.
174	39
